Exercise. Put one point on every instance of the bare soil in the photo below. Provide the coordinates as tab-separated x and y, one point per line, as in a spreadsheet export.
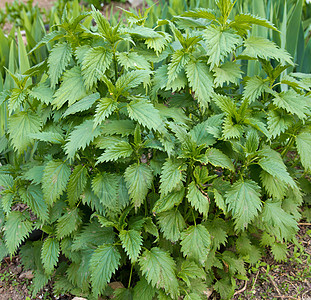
47	4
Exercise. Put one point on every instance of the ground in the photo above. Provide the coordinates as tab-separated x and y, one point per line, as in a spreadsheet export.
42	3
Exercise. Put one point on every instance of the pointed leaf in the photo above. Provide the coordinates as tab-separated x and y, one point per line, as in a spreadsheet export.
131	242
49	254
303	142
199	201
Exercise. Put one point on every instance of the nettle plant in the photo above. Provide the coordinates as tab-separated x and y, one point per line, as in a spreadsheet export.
150	158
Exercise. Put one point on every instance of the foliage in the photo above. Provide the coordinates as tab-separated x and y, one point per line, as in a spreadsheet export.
152	157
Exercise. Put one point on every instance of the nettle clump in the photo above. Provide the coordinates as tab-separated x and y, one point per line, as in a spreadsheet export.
148	156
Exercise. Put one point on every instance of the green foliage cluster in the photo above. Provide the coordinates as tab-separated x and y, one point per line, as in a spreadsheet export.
152	157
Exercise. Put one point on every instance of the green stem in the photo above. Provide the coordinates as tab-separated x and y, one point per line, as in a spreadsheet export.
130	279
288	146
115	65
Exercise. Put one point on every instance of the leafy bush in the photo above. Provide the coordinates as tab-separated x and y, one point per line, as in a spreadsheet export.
151	157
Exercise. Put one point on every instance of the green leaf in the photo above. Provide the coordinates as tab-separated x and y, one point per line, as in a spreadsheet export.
159	269
274	186
201	13
105	186
7	201
131	242
172	175
48	137
278	122
243	22
72	88
145	114
243	200
103	264
16	99
143	290
94	64
68	223
34	174
197	199
20	126
278	222
76	184
195	243
279	251
16	230
119	150
178	62
168	201
132	60
201	81
104	108
219	43
33	197
254	88
228	72
219	159
82	105
303	143
49	254
80	137
217	230
55	178
58	60
220	202
190	270
131	80
138	178
293	103
259	47
158	43
272	162
171	224
43	93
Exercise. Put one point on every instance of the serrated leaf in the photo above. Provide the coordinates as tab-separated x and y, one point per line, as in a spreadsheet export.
43	93
201	12
132	60
122	127
278	122
220	202
16	99
219	43
103	264
158	43
272	162
105	187
71	89
259	47
49	254
243	22
172	175
16	230
143	290
243	200
279	251
199	236
138	178
254	88
278	222
68	223
159	269
104	108
33	197
131	80
55	178
197	199
216	228
94	64
274	186
168	201
303	143
171	224
190	270
20	126
34	174
131	242
80	137
76	184
201	81
6	181
293	103
145	114
219	159
82	105
178	62
119	150
58	60
228	72
6	200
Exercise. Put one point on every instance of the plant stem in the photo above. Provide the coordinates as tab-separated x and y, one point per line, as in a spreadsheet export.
130	279
288	146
